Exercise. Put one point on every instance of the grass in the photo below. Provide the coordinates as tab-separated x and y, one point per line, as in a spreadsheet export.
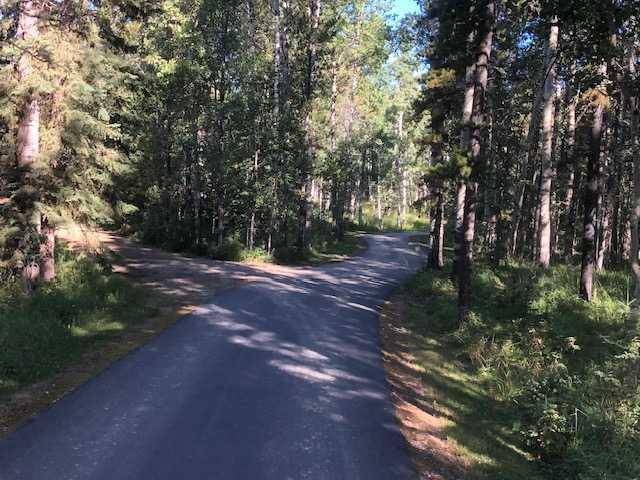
324	249
476	425
85	306
414	221
539	384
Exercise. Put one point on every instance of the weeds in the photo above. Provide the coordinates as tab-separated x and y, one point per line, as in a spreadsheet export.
562	366
39	335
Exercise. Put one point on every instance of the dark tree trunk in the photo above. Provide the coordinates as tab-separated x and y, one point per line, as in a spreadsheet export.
461	186
633	320
478	121
591	200
436	255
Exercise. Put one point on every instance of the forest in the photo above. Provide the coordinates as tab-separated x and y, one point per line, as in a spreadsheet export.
505	131
204	126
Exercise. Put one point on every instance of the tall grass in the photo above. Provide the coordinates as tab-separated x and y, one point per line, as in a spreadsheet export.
41	334
562	366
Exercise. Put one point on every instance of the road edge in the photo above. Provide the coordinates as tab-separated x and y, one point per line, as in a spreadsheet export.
431	454
24	405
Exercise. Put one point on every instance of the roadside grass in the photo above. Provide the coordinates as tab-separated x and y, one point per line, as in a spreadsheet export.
85	306
324	249
539	384
477	427
369	223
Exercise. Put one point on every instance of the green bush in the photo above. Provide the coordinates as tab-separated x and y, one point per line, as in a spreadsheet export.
287	255
40	334
563	365
230	250
414	221
257	255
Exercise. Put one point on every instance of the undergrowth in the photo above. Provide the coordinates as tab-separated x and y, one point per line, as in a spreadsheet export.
561	368
390	222
323	249
85	304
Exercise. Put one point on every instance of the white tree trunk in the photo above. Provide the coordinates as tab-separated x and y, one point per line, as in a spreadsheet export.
546	154
28	141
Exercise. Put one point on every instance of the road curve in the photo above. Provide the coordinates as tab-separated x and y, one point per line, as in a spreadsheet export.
280	379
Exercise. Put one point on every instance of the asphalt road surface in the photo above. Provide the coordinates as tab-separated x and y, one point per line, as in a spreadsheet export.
278	379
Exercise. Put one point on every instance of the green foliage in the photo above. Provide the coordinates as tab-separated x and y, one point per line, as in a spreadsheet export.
414	221
42	333
560	364
257	255
80	86
325	248
230	249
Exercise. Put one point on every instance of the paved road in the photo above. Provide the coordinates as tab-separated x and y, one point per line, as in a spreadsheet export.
279	379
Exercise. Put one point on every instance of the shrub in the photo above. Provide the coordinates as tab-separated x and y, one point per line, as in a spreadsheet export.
230	250
40	334
257	255
563	366
290	255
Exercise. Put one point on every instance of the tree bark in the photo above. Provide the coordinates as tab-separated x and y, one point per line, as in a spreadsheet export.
548	116
609	180
530	171
436	255
379	203
336	200
461	186
633	320
28	149
280	99
399	164
47	252
478	123
569	199
304	207
591	198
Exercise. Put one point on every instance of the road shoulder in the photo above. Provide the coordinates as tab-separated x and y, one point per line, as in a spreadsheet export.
422	422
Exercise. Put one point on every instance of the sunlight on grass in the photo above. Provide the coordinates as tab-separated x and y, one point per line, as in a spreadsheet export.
414	221
463	400
96	328
538	384
323	250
